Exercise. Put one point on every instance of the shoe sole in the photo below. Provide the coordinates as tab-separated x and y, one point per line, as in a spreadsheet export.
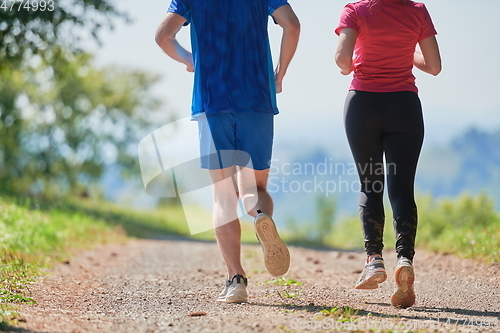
404	296
238	296
276	254
233	299
373	281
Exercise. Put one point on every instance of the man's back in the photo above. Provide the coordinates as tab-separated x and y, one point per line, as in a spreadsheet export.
233	65
235	86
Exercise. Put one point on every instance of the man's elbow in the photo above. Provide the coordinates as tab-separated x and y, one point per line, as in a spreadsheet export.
159	38
163	37
290	24
292	29
295	27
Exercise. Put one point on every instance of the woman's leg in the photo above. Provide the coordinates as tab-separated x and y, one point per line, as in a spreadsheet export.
364	124
402	145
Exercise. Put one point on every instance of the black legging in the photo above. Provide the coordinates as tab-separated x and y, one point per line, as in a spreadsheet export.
391	124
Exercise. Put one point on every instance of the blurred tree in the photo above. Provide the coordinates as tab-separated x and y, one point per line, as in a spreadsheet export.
62	120
25	32
61	124
314	233
325	212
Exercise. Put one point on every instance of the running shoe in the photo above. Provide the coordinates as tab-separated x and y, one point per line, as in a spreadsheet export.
404	296
373	274
276	254
235	290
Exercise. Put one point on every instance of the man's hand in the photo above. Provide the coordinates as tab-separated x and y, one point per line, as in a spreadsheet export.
279	82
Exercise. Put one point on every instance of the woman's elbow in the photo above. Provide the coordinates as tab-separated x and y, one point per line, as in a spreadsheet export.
435	70
344	62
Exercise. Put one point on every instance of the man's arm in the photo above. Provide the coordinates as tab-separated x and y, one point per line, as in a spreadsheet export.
165	38
345	50
429	60
287	19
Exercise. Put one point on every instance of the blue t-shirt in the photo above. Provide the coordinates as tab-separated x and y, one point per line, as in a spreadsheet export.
231	53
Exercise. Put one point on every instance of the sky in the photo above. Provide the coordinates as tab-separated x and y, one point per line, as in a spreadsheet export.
465	94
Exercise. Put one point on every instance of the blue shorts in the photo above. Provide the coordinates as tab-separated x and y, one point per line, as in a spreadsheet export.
243	139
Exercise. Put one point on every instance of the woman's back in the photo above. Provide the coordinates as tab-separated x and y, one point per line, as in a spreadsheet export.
388	31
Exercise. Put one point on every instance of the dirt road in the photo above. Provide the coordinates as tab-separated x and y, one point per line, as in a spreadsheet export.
160	286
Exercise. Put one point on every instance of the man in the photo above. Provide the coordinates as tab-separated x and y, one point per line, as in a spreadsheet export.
234	101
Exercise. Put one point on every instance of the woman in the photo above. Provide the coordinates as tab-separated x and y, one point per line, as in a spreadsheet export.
383	117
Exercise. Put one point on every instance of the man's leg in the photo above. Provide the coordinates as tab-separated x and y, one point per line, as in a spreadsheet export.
225	219
252	185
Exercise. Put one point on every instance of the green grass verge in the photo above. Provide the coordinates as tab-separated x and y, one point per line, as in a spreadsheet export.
33	239
35	235
467	226
167	220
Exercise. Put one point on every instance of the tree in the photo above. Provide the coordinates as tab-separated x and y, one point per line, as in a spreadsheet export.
325	212
62	120
25	32
62	124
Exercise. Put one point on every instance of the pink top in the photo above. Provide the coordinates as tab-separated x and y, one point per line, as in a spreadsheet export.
388	31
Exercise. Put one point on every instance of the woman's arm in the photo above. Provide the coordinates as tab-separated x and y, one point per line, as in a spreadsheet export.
345	50
429	60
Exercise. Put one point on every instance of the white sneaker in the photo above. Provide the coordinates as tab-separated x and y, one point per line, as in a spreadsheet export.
235	290
404	296
276	254
373	274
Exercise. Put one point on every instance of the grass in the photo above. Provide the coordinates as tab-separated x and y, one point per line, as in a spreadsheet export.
288	294
35	235
156	222
351	319
342	314
467	226
31	239
282	281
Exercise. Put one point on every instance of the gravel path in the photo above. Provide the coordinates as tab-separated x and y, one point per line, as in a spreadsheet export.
171	286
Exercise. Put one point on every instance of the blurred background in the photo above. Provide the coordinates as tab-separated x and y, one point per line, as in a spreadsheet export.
461	108
82	84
